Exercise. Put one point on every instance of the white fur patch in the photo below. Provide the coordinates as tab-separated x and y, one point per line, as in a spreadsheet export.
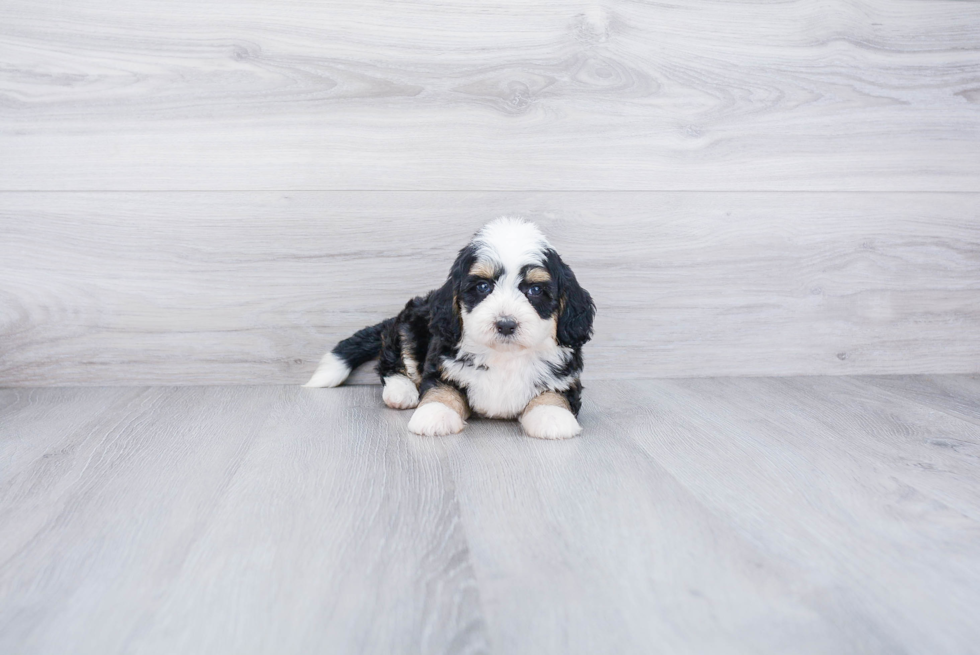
513	242
435	420
500	384
331	371
400	392
550	422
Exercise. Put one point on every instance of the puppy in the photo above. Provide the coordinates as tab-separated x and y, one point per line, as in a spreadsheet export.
502	337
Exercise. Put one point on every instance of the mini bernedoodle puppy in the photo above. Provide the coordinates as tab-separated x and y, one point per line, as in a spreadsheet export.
502	337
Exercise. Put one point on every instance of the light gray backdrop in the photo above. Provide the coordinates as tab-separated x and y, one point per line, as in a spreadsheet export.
196	194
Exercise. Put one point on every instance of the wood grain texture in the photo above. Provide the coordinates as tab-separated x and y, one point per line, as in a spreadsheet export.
804	515
514	94
823	475
591	546
244	288
954	394
203	520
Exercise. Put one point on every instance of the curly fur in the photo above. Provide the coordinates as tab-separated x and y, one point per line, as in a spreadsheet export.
507	326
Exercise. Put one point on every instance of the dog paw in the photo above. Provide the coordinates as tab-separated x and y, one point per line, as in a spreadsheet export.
435	420
400	392
550	422
331	372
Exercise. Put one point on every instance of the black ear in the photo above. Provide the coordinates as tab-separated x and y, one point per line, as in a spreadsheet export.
444	302
576	309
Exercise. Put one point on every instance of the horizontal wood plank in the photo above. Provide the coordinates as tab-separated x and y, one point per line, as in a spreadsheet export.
517	94
245	288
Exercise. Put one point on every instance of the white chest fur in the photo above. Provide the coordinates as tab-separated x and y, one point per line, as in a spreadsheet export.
501	384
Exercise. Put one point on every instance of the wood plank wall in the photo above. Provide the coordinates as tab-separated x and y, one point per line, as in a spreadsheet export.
215	192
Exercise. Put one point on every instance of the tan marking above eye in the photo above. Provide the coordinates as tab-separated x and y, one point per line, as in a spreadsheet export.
483	269
537	275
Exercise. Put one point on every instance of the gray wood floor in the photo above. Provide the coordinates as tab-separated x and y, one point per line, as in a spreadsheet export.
740	515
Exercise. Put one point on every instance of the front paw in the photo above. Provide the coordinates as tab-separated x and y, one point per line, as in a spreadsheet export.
400	392
550	422
435	420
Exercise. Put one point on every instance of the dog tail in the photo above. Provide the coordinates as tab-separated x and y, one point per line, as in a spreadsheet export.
362	346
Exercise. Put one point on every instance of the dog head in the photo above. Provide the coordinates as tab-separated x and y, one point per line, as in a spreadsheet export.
509	290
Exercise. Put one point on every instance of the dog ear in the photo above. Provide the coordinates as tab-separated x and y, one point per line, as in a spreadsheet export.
576	309
445	321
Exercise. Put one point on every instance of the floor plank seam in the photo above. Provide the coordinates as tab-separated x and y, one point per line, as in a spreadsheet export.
854	379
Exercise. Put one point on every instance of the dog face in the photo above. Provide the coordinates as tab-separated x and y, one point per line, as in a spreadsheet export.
509	291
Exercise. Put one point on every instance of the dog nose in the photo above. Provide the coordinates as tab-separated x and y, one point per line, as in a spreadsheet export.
506	326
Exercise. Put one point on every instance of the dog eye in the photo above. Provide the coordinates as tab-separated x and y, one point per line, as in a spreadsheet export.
534	290
482	287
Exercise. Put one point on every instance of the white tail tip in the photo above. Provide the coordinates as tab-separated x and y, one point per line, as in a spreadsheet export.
331	372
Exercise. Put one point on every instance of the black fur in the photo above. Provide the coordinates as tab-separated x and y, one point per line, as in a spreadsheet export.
408	334
574	396
364	345
548	301
577	308
445	326
572	367
444	302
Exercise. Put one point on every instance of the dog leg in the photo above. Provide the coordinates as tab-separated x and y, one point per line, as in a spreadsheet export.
548	416
441	411
400	392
